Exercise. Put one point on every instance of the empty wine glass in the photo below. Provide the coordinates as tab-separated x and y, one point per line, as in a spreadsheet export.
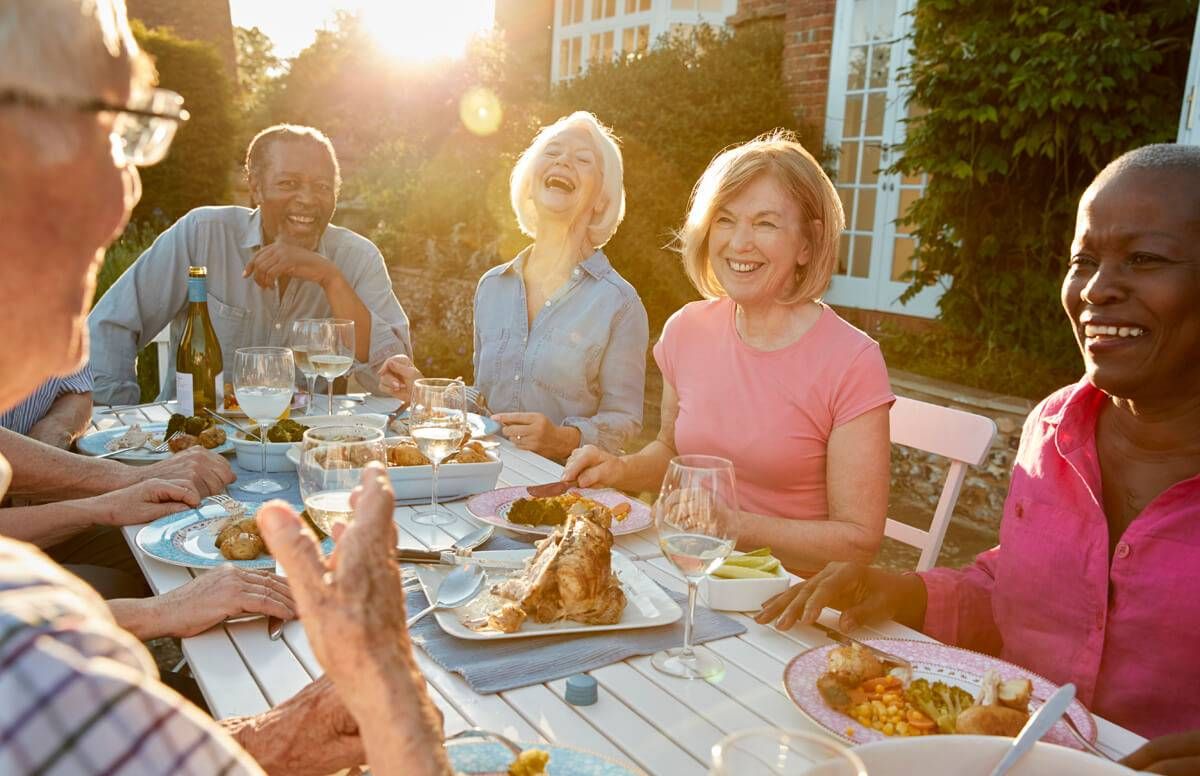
331	349
263	381
437	422
696	516
301	333
780	752
331	463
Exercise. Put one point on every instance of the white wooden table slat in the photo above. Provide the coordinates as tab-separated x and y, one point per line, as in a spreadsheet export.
662	724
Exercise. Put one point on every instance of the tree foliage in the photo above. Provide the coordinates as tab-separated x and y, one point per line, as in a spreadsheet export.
1025	102
196	171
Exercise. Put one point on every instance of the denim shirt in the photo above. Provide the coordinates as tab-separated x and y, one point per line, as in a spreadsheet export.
581	364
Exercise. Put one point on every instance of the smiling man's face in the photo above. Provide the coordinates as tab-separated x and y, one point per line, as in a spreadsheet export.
296	192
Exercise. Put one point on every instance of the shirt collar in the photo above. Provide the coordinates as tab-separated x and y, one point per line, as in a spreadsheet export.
251	237
1075	418
595	265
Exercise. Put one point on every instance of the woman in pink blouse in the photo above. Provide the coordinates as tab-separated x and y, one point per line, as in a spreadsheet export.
1097	577
764	374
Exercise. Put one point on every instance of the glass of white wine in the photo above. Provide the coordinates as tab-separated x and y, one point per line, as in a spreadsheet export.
301	333
331	349
780	752
331	463
696	516
438	423
263	381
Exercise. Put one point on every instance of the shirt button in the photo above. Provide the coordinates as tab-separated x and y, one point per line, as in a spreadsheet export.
516	377
547	303
575	272
1122	550
1020	510
279	326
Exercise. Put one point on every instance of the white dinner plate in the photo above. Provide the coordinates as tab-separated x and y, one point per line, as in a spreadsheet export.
971	756
646	605
96	443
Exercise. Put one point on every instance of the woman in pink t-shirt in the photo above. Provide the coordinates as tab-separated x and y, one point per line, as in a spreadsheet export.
764	374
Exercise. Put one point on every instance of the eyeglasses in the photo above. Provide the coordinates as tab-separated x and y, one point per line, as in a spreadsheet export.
145	126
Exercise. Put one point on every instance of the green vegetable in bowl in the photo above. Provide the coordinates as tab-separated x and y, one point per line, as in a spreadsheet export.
758	564
286	430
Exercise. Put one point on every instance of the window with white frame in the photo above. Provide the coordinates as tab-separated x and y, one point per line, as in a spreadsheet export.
601	46
604	9
571	12
635	41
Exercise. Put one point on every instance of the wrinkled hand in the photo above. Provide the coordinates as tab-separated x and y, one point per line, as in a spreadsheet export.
310	734
1176	755
397	376
144	502
863	594
535	432
224	592
352	603
592	467
207	472
281	259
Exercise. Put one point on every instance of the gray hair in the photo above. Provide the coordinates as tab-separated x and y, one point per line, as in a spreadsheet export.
72	49
612	177
260	148
1164	157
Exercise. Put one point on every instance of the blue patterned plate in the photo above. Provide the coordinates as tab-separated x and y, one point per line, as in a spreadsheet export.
476	758
96	443
189	538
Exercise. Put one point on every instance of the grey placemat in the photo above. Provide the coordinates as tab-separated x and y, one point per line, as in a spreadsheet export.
494	666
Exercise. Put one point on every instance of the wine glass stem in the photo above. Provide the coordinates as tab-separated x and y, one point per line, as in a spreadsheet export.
262	446
687	622
433	495
312	386
330	381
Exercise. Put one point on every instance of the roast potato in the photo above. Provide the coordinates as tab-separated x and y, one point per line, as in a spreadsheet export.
991	721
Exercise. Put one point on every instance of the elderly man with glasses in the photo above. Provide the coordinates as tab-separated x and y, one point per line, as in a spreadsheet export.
267	268
81	696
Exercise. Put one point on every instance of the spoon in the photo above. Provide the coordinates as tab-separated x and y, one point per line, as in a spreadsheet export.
474	539
1036	726
458	588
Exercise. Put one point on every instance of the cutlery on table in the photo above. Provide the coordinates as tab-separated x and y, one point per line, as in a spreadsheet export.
550	489
228	422
1041	721
451	558
274	628
394	414
161	447
841	638
473	539
458	588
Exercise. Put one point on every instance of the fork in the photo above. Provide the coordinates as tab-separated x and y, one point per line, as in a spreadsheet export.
161	447
1082	739
475	396
228	503
165	445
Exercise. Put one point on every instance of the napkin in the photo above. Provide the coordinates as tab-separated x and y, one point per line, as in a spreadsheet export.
495	666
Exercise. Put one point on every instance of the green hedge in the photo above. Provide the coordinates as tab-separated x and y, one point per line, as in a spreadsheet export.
1025	102
197	169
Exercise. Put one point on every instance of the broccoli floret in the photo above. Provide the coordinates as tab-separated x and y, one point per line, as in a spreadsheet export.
939	701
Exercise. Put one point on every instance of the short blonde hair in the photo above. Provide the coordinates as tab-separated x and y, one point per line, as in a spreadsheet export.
612	177
780	155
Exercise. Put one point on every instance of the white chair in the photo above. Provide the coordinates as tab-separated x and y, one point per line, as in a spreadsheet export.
963	437
163	341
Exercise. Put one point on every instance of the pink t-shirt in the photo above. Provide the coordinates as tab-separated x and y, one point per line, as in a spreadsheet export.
770	413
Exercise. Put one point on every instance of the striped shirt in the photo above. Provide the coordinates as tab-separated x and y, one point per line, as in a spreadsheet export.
25	415
80	696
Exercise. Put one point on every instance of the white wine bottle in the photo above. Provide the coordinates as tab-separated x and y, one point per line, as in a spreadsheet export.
199	382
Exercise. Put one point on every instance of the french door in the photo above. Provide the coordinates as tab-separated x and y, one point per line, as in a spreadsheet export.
1189	114
865	114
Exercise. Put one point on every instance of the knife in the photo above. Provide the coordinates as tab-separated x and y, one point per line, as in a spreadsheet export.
1042	720
448	557
887	657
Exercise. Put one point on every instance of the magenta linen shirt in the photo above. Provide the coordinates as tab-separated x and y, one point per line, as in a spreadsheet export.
1127	634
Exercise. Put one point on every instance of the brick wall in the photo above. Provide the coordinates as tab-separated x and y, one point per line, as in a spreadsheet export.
808	36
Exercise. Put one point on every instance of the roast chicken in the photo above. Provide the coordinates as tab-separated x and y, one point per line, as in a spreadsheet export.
568	578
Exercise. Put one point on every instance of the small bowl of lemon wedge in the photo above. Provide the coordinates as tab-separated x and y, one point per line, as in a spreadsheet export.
744	581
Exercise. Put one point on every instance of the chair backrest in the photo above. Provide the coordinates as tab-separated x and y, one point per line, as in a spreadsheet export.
963	437
163	341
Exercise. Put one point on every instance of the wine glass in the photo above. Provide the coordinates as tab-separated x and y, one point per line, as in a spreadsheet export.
263	381
696	516
782	752
437	421
331	463
331	349
301	332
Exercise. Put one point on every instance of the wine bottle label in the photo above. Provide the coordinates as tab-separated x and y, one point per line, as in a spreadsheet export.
183	393
197	291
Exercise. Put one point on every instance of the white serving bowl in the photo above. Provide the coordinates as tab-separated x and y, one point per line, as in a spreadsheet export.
971	756
250	458
741	595
414	484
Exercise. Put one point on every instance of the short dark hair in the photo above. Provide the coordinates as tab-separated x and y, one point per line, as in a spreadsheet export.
1164	157
260	146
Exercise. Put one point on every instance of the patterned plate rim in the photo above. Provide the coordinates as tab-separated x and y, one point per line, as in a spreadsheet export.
476	506
141	454
626	769
164	528
862	735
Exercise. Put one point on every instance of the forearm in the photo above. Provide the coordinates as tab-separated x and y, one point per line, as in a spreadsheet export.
65	422
47	473
345	303
644	470
145	618
49	524
405	739
805	546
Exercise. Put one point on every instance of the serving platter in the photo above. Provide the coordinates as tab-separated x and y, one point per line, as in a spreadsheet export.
413	485
492	507
189	538
646	605
931	661
96	443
